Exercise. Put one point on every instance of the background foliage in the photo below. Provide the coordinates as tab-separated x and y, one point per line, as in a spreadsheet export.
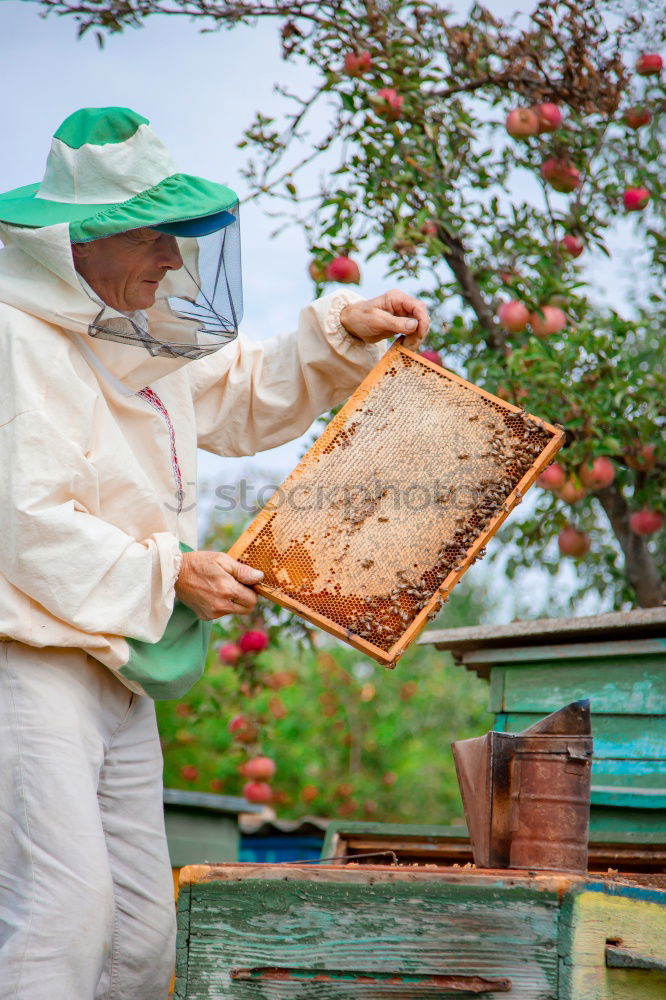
350	738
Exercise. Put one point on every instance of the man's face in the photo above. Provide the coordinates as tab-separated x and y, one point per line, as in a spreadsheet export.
125	270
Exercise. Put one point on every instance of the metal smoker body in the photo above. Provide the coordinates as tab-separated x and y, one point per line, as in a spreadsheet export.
527	796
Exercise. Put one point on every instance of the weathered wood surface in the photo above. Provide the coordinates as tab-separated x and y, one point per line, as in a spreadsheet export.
641	623
340	835
626	686
354	924
446	845
586	655
370	874
591	919
268	932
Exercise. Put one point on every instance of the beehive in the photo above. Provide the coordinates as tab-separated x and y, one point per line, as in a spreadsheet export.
393	503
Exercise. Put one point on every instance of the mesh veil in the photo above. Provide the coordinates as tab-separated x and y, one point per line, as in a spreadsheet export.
198	307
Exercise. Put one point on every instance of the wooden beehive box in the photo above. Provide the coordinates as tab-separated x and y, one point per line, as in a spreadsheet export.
360	842
394	502
279	932
616	660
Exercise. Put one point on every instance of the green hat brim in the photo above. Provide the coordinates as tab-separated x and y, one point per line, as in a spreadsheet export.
175	199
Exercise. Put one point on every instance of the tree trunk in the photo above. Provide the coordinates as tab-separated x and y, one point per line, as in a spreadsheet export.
471	293
640	566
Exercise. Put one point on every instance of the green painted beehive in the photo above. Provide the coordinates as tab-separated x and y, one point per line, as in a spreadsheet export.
277	932
618	661
203	827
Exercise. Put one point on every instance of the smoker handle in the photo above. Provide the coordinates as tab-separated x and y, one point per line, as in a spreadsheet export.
626	958
451	984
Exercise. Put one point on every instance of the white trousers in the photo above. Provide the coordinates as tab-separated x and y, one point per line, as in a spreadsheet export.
86	893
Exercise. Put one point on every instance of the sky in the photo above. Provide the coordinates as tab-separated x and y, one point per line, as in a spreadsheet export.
199	91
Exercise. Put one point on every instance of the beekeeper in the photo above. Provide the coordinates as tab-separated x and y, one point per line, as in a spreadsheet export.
120	298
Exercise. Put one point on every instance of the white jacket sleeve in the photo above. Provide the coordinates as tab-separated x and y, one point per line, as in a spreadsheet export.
84	570
251	396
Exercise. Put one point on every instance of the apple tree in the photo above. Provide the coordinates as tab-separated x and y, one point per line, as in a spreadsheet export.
486	162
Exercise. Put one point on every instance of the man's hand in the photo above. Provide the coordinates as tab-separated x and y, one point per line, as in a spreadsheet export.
389	315
213	584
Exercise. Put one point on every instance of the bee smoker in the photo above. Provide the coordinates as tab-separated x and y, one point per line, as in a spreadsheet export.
527	796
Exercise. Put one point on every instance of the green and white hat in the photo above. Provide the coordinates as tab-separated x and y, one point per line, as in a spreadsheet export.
106	173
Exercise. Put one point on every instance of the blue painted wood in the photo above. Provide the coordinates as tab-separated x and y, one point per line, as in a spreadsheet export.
643	773
635	798
636	736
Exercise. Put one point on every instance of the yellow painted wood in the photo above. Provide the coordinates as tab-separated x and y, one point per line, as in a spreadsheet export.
592	920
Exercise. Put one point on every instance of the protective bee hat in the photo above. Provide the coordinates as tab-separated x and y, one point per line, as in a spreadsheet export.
107	173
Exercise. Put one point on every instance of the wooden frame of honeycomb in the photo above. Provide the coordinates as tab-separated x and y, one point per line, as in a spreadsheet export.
360	559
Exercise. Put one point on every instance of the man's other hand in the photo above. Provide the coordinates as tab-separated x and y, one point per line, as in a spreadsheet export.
389	315
213	584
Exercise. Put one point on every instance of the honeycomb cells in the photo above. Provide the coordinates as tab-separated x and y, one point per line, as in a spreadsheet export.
388	502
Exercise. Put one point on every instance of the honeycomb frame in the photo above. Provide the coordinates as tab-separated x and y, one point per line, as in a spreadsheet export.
384	625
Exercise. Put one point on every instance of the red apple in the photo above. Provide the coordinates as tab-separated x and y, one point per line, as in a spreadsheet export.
635	199
560	174
550	117
309	793
597	474
572	491
344	270
573	542
183	709
277	708
280	679
258	792
317	271
552	478
637	117
552	321
573	245
189	772
243	729
649	64
522	122
408	690
646	522
344	790
431	356
514	316
229	652
641	457
253	642
216	784
387	103
356	64
258	768
429	227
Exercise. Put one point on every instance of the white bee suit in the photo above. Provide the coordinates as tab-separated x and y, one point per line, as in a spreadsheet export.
97	438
